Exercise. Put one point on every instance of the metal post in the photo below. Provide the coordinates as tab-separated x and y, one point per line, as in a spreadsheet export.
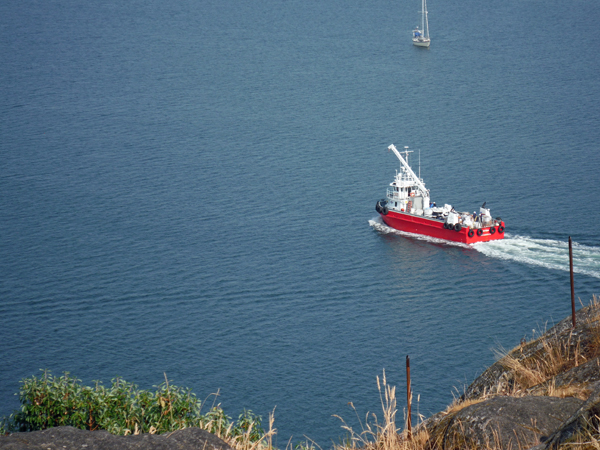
572	283
408	396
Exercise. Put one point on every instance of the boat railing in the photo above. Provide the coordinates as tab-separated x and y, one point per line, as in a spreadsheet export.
391	194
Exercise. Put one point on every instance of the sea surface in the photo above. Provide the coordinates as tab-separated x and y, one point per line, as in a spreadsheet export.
188	187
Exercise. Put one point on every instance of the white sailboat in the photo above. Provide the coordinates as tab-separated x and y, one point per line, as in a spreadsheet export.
421	36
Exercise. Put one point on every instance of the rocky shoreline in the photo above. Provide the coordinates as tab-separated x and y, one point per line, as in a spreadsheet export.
71	438
543	394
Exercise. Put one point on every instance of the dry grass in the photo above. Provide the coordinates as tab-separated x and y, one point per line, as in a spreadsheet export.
587	440
552	355
386	436
580	391
459	404
553	358
374	435
593	324
455	438
245	442
531	367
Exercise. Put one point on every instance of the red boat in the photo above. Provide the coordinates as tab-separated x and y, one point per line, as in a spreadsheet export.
408	207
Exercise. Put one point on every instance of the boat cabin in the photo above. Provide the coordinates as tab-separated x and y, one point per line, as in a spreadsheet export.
407	193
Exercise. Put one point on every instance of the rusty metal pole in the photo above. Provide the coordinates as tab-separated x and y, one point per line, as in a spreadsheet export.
408	396
572	283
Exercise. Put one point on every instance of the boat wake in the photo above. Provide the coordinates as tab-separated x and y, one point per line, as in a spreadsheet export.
546	253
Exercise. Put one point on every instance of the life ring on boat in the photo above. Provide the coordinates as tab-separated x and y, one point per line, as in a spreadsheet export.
492	230
479	232
412	194
500	229
471	233
457	227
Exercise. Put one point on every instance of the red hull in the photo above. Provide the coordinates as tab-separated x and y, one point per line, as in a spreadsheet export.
435	228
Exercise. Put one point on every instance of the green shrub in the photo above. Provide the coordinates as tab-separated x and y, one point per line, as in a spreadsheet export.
122	408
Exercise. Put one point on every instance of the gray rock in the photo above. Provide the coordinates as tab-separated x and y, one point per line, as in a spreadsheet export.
506	422
586	418
70	438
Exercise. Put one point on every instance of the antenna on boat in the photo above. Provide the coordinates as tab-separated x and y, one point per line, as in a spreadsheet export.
419	164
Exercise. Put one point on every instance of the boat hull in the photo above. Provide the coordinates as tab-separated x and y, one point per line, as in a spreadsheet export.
435	228
421	42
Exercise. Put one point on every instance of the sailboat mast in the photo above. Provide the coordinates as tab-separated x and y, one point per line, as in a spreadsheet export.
423	16
426	24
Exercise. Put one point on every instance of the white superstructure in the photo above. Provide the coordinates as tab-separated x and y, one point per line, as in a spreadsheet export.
407	193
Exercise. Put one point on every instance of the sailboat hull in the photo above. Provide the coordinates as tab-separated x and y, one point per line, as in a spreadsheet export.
421	42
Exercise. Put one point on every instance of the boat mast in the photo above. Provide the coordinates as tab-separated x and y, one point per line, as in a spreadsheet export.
425	26
423	16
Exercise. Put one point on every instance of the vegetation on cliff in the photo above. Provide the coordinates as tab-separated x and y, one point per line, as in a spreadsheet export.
543	394
122	409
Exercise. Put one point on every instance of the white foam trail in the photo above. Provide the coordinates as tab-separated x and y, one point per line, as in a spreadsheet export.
537	252
545	253
378	225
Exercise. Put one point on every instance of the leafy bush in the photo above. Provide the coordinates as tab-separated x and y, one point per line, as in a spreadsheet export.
122	408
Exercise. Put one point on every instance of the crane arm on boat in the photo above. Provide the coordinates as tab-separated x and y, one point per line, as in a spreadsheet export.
409	171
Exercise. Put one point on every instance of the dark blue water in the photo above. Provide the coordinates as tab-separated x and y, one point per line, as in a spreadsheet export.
189	187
